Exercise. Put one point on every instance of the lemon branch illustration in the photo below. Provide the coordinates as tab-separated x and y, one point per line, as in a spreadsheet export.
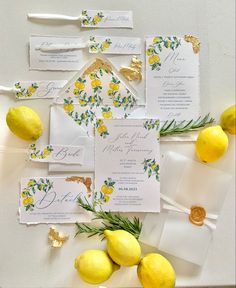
88	20
32	187
96	47
157	46
40	154
152	168
151	124
101	128
23	92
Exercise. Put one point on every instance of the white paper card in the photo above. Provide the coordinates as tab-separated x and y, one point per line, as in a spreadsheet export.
127	165
54	199
58	154
107	18
114	45
172	73
55	60
38	89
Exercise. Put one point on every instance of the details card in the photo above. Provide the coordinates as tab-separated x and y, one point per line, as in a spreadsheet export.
172	73
107	18
42	58
127	165
54	199
114	45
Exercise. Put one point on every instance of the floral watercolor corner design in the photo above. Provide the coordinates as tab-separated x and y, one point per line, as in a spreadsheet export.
33	186
101	127
84	118
151	124
106	190
25	92
158	44
152	168
40	154
95	46
88	20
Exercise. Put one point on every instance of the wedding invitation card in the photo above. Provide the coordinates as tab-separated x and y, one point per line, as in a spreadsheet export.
172	73
54	199
127	165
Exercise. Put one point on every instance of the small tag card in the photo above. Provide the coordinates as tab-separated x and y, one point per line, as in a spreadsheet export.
107	19
114	45
127	160
172	73
58	154
54	199
57	59
38	89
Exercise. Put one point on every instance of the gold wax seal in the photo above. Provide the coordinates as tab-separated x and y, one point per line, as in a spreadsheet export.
133	72
197	215
56	238
195	42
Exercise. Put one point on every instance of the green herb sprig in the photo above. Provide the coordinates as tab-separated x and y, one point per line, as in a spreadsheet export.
171	127
110	222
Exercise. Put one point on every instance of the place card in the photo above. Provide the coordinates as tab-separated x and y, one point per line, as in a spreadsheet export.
172	75
114	45
107	19
65	59
58	154
38	89
54	199
127	165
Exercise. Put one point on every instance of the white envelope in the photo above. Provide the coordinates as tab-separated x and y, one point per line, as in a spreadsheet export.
65	131
188	183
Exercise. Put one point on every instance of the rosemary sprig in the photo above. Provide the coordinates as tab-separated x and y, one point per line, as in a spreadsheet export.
110	221
171	127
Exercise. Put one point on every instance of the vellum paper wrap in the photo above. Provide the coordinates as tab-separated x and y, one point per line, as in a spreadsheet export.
188	183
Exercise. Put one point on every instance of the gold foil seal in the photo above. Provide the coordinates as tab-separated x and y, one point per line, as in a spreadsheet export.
134	71
86	181
57	238
195	42
197	215
98	64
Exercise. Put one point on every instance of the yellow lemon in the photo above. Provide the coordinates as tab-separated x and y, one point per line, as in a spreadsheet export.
107	114
68	107
105	44
110	190
154	59
31	89
95	83
112	85
104	128
157	40
27	201
107	198
110	92
46	152
116	103
123	247
212	143
30	183
82	102
116	87
95	266
155	271
228	120
150	51
24	123
79	85
23	194
154	166
104	189
97	18
100	129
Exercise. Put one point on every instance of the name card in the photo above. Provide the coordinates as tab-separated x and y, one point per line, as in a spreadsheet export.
58	154
107	19
115	45
70	59
54	199
38	89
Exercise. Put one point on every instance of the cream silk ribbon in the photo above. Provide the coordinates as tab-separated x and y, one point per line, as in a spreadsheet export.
174	206
55	17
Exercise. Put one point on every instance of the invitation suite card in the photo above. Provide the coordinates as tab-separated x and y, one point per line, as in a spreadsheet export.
54	199
172	73
127	159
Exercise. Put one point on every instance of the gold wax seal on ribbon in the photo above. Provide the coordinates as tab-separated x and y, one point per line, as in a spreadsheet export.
197	215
